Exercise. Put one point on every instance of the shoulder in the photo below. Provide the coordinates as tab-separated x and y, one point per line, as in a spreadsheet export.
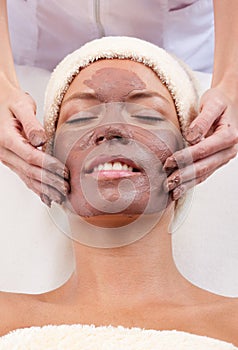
13	308
226	319
230	314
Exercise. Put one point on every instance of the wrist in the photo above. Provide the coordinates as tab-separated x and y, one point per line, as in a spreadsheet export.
7	86
227	83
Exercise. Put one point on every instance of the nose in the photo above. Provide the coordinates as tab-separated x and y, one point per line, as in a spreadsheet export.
111	133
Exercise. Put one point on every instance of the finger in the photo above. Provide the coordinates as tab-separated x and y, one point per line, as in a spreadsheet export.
33	156
38	187
211	110
37	173
199	169
24	109
182	189
211	145
45	199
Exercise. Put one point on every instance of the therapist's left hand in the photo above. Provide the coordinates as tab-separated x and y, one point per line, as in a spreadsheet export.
213	138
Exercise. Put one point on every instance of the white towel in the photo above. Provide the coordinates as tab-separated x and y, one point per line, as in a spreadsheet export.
85	337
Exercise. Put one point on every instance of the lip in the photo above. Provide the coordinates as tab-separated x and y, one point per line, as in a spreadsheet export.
113	174
88	168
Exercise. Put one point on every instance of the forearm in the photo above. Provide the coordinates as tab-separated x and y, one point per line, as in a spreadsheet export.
7	69
225	71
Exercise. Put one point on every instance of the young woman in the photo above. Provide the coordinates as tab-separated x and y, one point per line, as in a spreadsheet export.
112	108
42	33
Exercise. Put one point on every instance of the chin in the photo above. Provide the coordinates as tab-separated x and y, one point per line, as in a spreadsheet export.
144	204
111	221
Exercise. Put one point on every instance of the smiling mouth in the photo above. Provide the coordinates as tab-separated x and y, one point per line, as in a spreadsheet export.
112	167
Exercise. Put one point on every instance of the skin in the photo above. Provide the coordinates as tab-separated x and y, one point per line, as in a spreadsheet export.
217	118
119	85
123	285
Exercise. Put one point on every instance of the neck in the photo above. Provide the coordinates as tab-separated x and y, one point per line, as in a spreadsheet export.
141	272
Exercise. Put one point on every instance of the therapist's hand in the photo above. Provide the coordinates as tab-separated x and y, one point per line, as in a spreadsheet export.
20	136
212	136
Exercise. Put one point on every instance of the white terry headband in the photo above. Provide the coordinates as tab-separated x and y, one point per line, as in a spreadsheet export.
173	73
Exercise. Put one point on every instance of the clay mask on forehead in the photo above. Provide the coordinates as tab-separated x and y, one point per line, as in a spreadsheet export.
112	84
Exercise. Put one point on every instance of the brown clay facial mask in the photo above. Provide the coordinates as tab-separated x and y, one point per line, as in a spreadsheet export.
115	153
114	139
114	85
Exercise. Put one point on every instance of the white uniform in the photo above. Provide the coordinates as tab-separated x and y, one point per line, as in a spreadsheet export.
43	32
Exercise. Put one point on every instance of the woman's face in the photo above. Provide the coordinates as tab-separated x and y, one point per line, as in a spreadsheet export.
117	125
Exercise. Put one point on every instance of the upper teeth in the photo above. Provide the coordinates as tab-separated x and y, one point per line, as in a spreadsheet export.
113	166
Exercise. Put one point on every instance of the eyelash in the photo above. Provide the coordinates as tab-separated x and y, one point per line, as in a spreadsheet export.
80	120
144	117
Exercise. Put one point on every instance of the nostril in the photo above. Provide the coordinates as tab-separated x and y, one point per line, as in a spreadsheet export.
99	139
114	137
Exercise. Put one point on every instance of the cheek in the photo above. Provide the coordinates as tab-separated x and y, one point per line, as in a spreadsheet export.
162	143
76	199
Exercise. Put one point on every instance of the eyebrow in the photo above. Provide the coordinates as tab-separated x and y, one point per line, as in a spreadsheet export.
147	94
131	96
81	96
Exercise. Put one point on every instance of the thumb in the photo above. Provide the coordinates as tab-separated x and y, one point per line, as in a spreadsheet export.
211	109
25	112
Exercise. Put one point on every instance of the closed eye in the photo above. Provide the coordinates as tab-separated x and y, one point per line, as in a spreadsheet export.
148	118
80	120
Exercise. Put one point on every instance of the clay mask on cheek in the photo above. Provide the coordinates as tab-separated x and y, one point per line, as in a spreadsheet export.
115	158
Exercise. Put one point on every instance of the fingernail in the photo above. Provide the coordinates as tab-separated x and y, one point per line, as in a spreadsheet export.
63	173
37	138
193	135
170	163
177	193
172	183
66	189
45	199
58	200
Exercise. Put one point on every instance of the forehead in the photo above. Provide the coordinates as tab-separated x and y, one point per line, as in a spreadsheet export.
118	69
127	64
117	80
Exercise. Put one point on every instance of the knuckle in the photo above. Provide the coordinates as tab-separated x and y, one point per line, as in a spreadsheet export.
18	103
29	157
219	102
181	157
202	171
234	152
201	152
235	137
230	136
203	122
30	171
28	181
2	153
224	136
5	138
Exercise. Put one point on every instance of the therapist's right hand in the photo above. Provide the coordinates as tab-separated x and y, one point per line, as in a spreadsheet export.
20	136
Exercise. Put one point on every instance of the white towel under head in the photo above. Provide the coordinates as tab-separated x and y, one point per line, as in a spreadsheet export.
89	337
